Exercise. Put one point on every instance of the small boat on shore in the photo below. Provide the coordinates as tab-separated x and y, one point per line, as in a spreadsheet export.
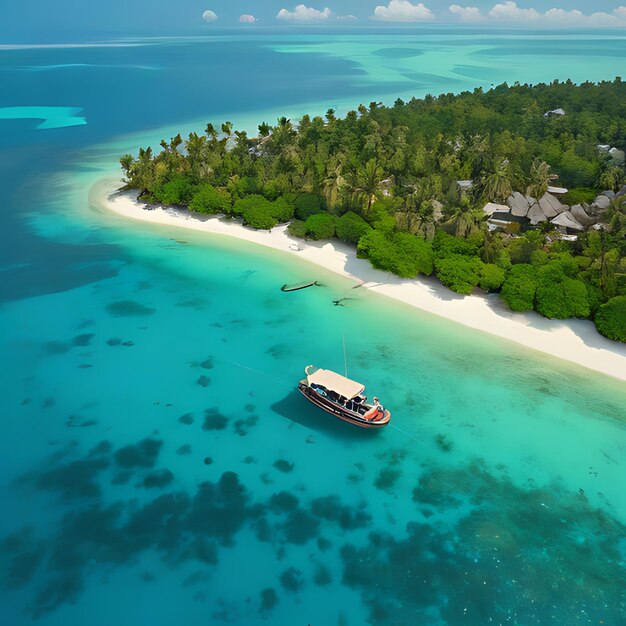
299	286
342	398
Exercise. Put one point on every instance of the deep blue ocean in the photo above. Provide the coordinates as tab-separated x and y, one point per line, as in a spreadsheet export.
157	465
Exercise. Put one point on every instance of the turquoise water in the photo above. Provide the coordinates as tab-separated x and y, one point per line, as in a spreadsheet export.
158	466
51	117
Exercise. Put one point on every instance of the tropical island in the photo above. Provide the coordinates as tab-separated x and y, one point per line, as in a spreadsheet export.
518	190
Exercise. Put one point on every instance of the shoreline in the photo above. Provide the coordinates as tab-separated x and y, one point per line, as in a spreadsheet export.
576	341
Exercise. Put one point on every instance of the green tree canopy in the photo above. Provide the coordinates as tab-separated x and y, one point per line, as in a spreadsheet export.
351	227
491	277
179	191
375	246
320	226
459	272
414	255
259	212
445	245
208	199
611	319
260	216
560	296
519	288
307	204
401	253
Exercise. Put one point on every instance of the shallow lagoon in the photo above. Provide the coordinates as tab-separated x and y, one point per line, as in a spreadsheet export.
50	117
159	467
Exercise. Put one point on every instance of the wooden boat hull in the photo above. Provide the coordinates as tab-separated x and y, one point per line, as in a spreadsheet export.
345	415
299	286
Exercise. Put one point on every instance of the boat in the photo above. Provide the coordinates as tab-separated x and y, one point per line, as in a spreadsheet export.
299	286
342	398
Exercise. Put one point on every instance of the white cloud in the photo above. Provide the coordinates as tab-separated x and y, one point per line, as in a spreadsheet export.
302	13
247	19
467	14
347	17
209	16
561	17
511	13
574	17
403	11
565	17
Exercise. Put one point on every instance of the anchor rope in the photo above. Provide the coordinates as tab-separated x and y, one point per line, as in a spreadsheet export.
256	371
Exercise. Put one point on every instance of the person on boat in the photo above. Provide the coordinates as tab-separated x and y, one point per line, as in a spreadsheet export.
379	411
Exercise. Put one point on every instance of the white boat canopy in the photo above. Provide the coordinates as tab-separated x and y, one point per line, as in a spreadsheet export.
335	382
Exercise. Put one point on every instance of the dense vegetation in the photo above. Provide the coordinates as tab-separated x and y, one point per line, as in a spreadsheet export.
385	179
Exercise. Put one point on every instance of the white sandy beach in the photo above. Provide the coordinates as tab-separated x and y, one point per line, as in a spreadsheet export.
573	340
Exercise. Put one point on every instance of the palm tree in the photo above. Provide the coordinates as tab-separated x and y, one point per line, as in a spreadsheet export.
368	178
492	244
352	187
539	179
332	184
211	132
468	222
611	178
195	147
283	133
606	259
127	162
170	155
175	142
242	142
498	185
145	170
264	129
615	217
408	218
417	216
476	149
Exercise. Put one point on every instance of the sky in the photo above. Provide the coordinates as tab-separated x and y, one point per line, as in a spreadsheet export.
46	20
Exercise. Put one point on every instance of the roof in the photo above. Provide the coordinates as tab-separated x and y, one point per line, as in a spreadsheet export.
491	207
335	382
557	190
507	218
568	220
